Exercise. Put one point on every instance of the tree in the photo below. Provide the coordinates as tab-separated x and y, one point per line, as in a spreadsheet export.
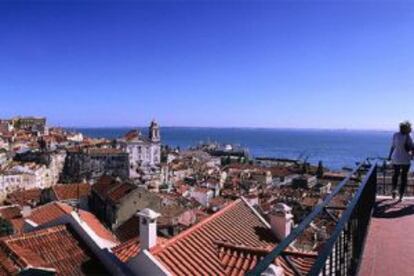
319	171
228	160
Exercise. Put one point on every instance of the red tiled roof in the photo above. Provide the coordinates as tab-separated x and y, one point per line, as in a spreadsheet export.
194	251
54	210
24	197
10	212
169	217
71	191
17	224
237	260
109	188
128	230
47	213
119	191
103	185
56	248
131	135
7	266
131	248
127	250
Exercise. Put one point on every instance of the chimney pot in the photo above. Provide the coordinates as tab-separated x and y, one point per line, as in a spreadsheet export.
147	228
281	220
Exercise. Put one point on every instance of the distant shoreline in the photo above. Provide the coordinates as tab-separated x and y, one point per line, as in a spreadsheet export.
237	128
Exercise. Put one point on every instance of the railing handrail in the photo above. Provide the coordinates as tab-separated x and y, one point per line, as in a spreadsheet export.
296	232
340	225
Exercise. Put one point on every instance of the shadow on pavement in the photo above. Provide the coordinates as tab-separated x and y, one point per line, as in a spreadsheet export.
388	208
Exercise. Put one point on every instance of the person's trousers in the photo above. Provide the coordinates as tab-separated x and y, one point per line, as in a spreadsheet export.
400	170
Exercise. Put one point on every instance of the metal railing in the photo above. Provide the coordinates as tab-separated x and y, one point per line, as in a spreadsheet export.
341	252
384	182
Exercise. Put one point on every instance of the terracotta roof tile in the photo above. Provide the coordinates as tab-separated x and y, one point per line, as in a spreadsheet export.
47	213
128	230
237	260
10	212
17	224
71	191
236	223
25	197
131	248
119	191
169	217
7	266
108	188
54	210
56	247
127	250
132	135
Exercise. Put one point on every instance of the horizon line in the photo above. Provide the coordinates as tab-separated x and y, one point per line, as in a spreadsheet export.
232	127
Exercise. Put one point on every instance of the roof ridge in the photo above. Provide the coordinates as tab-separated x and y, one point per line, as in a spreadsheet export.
16	257
256	213
310	254
264	250
125	244
42	207
60	206
38	232
171	241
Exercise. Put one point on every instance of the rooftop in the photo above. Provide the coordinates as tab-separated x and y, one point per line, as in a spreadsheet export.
55	248
111	189
131	248
71	191
24	197
52	211
223	236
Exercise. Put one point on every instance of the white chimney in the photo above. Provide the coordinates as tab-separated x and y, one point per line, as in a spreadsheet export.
273	270
147	228
281	220
26	211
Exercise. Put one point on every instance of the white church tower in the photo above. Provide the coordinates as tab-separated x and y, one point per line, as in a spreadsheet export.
154	132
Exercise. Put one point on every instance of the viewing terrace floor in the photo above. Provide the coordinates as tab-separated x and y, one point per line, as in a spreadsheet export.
389	247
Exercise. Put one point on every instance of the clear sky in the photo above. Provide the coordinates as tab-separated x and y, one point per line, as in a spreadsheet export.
191	63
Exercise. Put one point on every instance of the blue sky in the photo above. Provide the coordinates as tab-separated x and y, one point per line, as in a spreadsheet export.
191	63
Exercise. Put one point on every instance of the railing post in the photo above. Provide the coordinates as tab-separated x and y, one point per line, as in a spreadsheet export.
341	252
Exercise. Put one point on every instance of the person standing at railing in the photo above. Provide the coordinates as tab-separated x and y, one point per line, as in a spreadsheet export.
400	156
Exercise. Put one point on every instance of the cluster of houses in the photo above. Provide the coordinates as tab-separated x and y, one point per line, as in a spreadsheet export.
74	205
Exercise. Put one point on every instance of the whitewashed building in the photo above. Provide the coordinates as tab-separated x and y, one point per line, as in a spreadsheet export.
144	152
4	144
202	195
25	177
13	180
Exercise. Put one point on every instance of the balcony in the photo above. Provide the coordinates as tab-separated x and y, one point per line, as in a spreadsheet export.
372	235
